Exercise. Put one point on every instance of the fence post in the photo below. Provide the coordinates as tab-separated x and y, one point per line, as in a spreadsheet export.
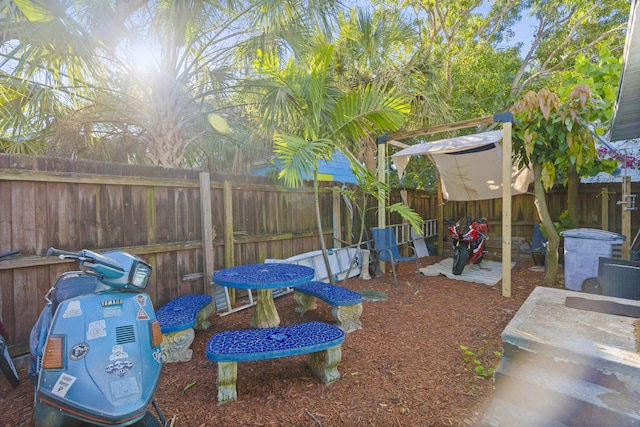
227	201
208	233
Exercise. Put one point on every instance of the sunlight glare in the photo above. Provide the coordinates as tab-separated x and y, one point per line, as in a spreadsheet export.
142	58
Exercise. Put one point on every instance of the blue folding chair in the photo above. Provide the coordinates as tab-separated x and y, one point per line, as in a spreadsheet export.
387	250
537	246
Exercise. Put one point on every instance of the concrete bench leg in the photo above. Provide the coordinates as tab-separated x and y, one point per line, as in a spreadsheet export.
348	317
227	377
324	364
175	346
304	303
202	321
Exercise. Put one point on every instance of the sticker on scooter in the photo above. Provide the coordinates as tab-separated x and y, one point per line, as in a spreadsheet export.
112	308
73	310
97	329
117	353
79	351
120	367
141	300
124	387
62	386
142	315
157	355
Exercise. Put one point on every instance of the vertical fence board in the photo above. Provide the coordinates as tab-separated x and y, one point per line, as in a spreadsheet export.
138	217
7	303
40	218
166	279
23	216
6	209
166	220
25	281
113	216
59	208
84	218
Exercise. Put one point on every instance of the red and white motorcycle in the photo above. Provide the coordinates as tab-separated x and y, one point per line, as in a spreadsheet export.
468	242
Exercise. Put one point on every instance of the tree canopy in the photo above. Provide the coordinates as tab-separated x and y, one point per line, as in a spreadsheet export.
146	81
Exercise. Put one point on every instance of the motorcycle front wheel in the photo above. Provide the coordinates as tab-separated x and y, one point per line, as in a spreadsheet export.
6	365
460	258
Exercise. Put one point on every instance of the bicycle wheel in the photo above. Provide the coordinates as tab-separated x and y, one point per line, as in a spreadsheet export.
6	365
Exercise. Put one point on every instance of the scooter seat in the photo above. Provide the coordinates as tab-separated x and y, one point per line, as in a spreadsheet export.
73	284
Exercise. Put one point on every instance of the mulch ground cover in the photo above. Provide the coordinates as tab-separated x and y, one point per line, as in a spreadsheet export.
405	367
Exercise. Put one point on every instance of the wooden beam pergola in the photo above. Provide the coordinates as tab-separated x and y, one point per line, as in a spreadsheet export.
506	119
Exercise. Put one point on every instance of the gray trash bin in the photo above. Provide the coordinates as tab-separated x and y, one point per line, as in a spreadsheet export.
582	249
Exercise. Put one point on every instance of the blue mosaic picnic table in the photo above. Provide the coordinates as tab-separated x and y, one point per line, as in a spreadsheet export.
264	278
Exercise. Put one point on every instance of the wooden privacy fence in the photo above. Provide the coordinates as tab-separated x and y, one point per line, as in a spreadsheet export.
188	223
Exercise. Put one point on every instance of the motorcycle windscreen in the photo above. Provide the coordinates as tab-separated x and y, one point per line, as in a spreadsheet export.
476	174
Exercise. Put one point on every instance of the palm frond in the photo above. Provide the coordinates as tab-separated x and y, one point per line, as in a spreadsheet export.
408	214
363	112
299	157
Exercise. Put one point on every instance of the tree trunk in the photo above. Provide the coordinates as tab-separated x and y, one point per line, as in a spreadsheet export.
369	157
573	182
323	246
551	272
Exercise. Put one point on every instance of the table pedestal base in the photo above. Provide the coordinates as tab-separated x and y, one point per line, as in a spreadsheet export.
265	315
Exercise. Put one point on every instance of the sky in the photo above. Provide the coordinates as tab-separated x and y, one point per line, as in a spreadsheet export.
523	30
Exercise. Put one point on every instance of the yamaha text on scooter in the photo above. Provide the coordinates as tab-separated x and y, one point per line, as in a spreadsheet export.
95	349
468	243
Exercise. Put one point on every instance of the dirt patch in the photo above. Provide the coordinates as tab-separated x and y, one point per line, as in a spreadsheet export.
404	368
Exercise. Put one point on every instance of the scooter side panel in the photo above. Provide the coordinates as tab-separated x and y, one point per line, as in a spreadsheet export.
110	369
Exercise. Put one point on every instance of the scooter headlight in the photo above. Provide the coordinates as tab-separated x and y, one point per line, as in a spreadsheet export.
141	274
53	357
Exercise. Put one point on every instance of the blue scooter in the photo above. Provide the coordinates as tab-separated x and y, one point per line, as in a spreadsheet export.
95	349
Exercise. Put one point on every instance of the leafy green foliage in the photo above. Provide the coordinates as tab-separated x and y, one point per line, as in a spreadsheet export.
556	134
478	366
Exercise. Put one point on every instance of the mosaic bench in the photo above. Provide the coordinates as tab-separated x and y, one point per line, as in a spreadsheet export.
347	304
320	340
178	318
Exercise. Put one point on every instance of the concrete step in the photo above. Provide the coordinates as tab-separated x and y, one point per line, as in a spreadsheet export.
502	413
570	398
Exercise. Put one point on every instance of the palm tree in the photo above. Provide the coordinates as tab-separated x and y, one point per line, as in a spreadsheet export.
383	48
313	118
83	54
